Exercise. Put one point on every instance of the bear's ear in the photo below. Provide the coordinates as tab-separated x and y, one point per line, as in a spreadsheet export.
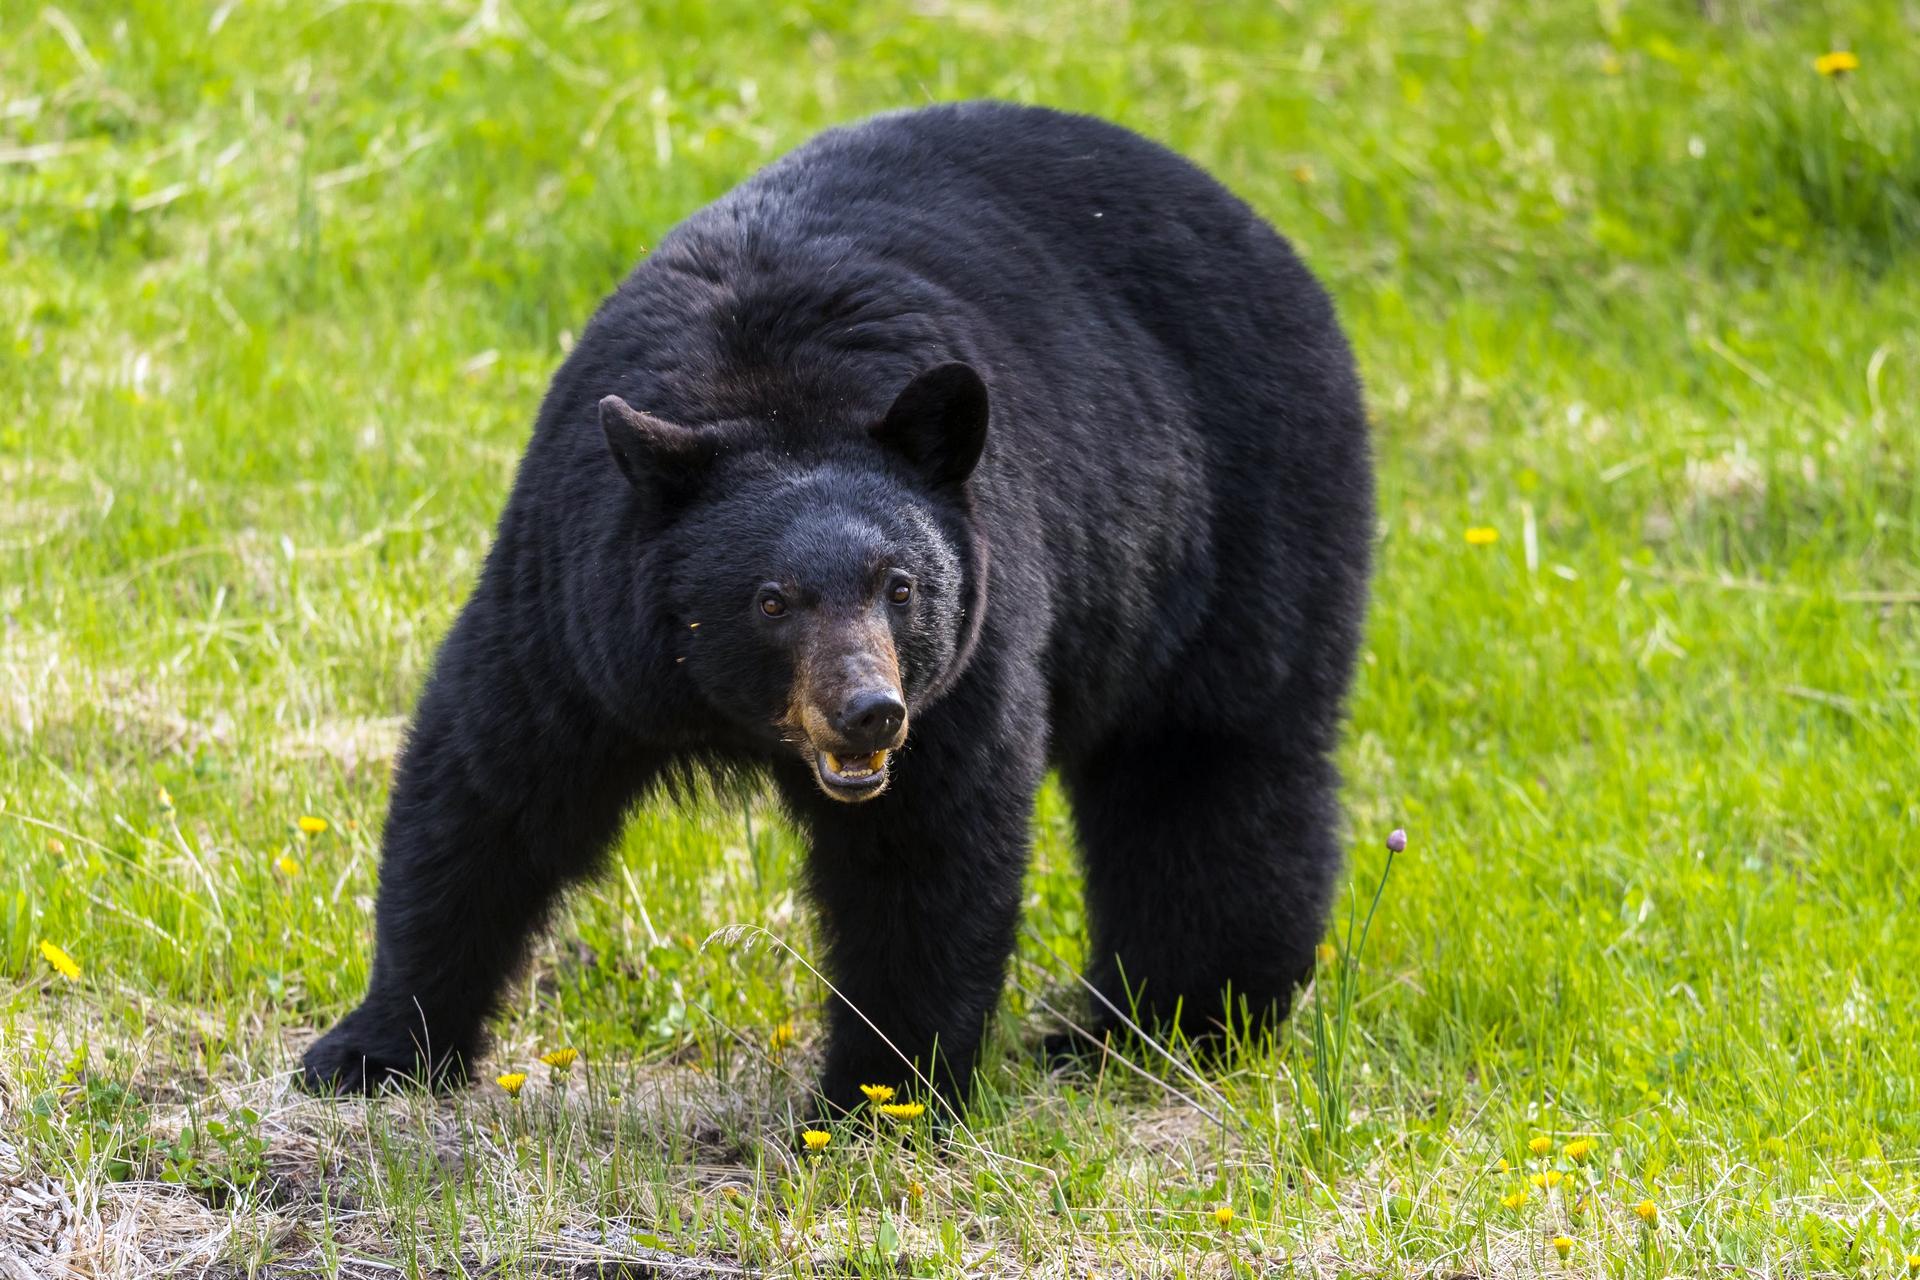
656	456
939	422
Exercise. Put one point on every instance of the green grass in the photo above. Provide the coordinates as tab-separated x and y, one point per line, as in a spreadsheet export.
280	286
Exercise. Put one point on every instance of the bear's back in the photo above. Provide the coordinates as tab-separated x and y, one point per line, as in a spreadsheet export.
1001	202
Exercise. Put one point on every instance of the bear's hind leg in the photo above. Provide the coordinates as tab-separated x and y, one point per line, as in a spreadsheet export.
1210	865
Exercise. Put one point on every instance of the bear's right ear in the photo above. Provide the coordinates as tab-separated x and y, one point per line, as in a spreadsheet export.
939	422
655	455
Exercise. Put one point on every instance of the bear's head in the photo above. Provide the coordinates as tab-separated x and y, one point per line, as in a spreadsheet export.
826	592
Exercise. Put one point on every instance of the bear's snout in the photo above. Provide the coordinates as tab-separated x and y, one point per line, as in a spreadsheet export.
849	705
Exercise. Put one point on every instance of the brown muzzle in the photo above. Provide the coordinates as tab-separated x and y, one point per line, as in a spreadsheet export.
847	704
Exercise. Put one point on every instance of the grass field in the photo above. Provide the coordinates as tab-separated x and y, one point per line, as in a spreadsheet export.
1633	285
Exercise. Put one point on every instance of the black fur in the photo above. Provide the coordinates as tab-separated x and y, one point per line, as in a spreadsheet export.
1154	579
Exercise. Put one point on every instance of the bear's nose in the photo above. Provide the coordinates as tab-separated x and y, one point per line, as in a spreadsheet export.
870	719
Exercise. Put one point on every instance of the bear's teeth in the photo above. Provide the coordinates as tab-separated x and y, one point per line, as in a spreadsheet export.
858	767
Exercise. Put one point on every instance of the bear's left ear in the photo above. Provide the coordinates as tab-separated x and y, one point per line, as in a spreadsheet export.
939	422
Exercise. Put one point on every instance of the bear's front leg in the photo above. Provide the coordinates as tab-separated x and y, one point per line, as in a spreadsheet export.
918	893
511	785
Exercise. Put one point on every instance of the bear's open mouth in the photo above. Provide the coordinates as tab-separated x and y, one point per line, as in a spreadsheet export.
852	777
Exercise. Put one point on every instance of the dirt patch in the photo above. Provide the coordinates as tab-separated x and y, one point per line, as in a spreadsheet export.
353	743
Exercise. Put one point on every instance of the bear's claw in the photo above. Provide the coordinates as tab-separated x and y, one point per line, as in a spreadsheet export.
350	1059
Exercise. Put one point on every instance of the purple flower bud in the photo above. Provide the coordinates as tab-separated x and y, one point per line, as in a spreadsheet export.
1397	840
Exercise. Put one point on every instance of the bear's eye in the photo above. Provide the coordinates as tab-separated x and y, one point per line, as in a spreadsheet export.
772	605
901	591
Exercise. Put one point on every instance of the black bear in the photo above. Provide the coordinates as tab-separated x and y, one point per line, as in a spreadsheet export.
957	444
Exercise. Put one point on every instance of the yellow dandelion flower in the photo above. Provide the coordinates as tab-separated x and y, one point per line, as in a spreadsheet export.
877	1092
1547	1179
1504	1166
1325	953
902	1110
286	865
1563	1245
1839	62
561	1059
1578	1149
816	1138
1913	1264
63	964
511	1082
1482	536
1647	1211
166	798
915	1192
54	845
782	1037
1515	1199
1224	1215
310	825
1540	1145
